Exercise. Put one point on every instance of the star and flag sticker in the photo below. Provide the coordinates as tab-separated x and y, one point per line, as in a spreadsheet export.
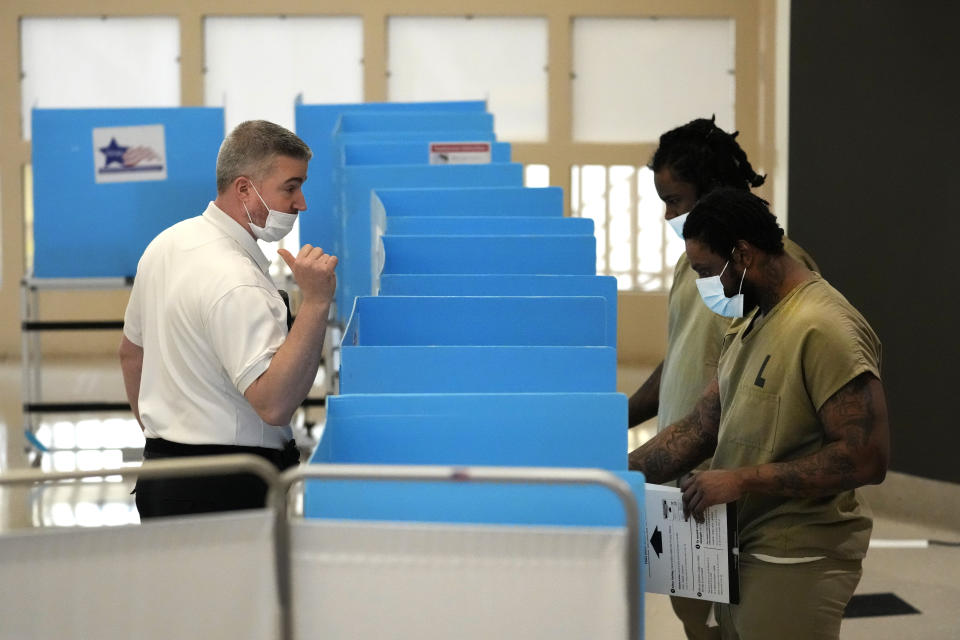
133	154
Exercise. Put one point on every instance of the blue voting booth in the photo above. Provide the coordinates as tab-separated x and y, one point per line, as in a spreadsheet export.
459	344
107	181
491	342
317	126
473	429
409	152
404	284
511	201
356	276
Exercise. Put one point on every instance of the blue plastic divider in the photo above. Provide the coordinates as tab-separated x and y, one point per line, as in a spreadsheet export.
85	229
407	152
417	120
507	285
477	201
462	321
487	226
315	124
477	369
477	429
473	429
355	275
556	255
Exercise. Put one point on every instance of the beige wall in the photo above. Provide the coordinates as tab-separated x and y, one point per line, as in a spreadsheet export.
641	315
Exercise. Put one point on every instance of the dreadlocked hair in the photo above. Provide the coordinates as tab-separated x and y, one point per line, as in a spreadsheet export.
706	156
727	215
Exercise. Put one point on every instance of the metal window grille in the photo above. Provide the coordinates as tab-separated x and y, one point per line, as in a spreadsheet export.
634	243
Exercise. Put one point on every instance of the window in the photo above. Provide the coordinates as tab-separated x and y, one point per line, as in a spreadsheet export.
634	79
536	175
99	62
634	243
500	60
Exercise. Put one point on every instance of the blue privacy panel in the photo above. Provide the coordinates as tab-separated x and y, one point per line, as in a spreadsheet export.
462	321
507	285
355	274
480	201
417	120
408	152
472	503
477	369
315	124
83	229
548	255
487	226
325	198
569	430
520	429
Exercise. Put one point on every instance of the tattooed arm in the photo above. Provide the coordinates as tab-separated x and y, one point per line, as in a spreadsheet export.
856	451
683	445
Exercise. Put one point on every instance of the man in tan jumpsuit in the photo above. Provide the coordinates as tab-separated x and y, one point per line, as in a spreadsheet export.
795	421
690	161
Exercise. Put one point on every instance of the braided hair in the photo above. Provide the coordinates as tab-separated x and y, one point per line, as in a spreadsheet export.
726	215
706	156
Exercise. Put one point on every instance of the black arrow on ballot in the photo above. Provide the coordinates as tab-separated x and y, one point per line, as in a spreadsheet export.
656	541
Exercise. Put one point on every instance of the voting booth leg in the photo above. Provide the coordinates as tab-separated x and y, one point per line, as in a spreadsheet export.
30	352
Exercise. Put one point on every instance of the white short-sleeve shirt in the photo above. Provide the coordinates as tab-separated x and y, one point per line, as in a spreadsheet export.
209	320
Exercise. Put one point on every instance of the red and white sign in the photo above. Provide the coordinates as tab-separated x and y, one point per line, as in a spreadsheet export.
460	152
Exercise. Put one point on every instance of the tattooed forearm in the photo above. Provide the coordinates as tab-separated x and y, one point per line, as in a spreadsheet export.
683	445
855	452
828	471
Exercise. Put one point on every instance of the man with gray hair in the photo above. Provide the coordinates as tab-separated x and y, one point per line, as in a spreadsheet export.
209	363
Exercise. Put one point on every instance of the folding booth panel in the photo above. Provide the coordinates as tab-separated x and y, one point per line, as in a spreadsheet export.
487	226
476	201
548	255
355	273
326	230
418	120
407	152
554	429
514	504
516	429
478	369
507	285
107	181
315	124
463	321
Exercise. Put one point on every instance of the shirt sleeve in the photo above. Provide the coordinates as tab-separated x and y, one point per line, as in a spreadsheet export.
133	316
836	351
246	327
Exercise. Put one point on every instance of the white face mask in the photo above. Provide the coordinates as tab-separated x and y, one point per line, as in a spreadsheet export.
278	223
677	223
711	290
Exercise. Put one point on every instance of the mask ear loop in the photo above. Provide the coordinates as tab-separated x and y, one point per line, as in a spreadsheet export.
739	291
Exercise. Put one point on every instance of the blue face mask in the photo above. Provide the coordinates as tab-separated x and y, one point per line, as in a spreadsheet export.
711	290
677	223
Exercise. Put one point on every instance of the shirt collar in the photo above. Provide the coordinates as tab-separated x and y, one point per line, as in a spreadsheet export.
232	228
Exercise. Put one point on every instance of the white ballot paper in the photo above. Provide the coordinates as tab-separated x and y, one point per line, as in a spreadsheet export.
685	558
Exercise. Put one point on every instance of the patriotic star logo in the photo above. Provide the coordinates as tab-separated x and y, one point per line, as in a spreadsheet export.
114	153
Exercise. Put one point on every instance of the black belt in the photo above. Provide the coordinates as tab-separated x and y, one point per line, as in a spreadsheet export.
156	448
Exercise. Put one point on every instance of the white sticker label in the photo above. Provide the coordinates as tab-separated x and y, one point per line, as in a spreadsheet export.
129	154
459	153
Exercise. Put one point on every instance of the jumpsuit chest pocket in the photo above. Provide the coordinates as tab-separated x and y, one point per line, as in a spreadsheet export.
754	418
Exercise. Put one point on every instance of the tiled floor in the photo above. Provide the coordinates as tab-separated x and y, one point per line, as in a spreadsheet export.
926	578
